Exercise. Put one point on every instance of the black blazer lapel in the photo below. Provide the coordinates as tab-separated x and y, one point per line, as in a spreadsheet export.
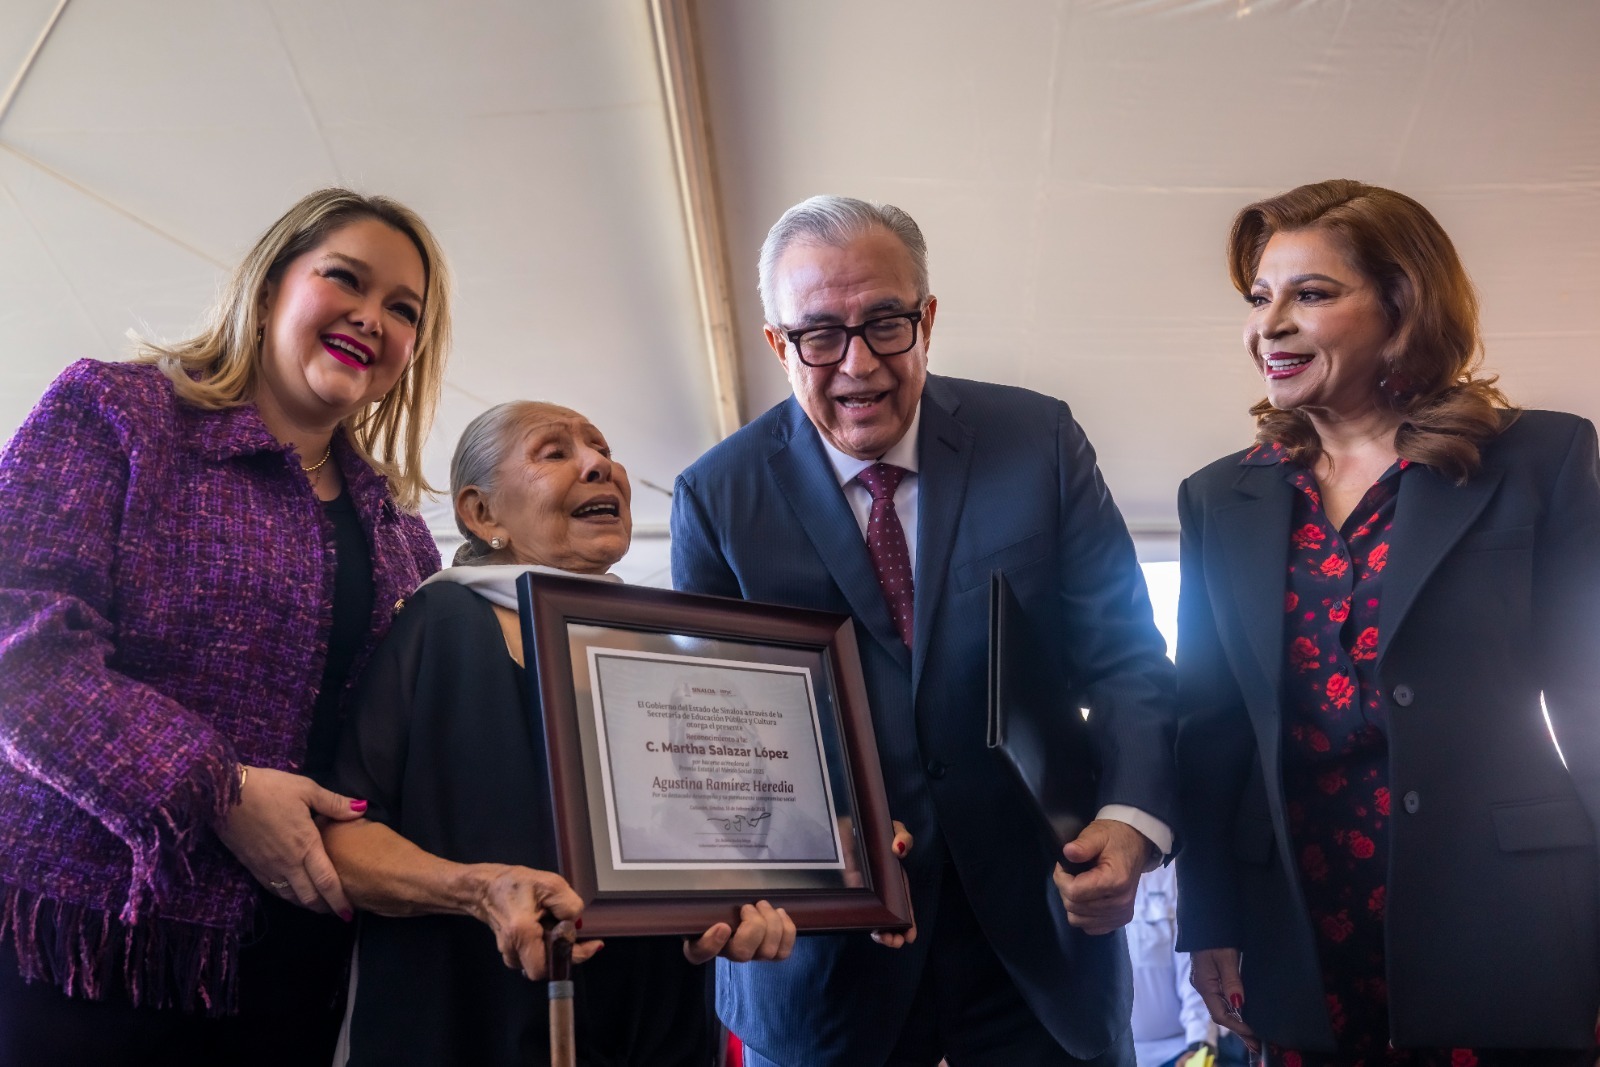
1252	536
1431	515
801	470
944	450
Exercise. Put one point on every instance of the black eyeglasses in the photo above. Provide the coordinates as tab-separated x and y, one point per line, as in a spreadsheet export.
890	335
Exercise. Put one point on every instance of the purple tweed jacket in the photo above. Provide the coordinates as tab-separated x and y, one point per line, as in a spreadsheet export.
166	596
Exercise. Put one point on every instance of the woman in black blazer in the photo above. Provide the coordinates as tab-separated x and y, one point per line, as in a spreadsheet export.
1386	858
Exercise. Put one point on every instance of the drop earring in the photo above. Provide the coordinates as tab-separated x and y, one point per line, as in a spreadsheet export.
1396	386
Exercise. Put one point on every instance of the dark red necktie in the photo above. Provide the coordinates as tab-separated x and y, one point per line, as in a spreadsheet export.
886	544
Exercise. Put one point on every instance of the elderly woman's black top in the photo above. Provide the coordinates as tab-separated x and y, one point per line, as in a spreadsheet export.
441	744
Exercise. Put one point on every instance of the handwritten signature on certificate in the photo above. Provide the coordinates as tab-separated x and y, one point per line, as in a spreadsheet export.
741	821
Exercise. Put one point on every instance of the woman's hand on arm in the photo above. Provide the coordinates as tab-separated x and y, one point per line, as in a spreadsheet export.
386	874
1214	972
273	832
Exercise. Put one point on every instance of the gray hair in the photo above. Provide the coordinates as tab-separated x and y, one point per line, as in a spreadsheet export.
476	462
835	220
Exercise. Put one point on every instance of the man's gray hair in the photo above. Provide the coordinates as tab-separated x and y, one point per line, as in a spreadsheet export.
477	459
834	221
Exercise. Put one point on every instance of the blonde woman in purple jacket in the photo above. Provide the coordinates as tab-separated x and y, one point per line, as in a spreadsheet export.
202	547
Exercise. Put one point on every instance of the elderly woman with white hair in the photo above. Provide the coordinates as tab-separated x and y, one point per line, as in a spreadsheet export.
452	863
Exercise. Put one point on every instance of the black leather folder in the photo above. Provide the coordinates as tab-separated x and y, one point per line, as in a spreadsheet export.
1035	725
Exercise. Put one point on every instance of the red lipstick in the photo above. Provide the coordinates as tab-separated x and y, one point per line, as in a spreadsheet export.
348	350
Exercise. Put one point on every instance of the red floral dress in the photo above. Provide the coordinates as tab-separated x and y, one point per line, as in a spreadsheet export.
1336	769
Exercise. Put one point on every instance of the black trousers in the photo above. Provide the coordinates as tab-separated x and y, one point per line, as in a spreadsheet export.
291	983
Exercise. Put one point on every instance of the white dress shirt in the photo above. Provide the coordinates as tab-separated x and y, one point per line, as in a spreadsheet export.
1168	1012
903	453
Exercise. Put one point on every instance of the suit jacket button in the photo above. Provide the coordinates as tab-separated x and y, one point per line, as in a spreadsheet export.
1412	801
936	769
1403	695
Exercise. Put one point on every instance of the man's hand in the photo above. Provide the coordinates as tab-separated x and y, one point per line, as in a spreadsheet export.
765	933
1100	899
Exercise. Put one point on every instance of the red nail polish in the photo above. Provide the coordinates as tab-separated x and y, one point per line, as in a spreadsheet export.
899	848
347	915
578	924
1237	1000
358	805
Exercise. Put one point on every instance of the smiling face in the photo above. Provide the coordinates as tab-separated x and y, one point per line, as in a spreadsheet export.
338	327
559	499
863	404
1316	327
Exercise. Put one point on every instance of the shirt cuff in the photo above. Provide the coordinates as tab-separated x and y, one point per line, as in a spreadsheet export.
1159	833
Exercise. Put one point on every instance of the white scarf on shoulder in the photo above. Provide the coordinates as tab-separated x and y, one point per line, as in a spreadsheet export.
497	582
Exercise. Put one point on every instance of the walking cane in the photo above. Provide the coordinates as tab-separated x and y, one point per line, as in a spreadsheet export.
558	942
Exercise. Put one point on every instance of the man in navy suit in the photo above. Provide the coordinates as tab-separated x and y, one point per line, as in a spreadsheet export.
891	495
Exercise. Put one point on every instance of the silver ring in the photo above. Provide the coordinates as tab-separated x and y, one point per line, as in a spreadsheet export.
278	886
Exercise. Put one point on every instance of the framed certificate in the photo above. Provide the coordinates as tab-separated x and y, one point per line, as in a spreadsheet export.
707	753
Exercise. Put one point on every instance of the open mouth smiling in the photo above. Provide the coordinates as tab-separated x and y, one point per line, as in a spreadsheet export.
1282	361
348	350
860	400
603	508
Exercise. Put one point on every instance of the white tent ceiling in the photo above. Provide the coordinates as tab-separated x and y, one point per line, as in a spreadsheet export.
1074	164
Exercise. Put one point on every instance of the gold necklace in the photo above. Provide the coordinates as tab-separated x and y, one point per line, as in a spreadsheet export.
315	467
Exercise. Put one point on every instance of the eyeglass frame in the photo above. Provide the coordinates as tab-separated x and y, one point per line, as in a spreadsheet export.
794	337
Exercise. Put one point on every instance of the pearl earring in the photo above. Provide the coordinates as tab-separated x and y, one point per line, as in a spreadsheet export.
497	543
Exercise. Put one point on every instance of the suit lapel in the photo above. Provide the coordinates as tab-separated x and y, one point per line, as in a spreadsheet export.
1430	517
805	477
1253	536
944	449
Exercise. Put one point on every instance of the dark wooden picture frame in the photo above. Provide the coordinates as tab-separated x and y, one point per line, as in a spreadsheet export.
559	615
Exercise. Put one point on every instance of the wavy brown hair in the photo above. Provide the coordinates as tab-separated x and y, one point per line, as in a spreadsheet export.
219	366
1432	360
